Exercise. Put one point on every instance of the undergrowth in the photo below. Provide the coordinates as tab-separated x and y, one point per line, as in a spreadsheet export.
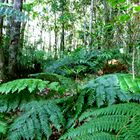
104	108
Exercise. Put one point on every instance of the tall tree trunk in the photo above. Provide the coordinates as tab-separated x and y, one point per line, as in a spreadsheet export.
1	65
91	21
108	32
85	25
22	35
14	42
55	37
62	43
50	38
62	39
1	49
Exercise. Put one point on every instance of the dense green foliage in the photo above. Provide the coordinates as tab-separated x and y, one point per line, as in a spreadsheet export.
115	122
92	115
81	62
69	70
37	119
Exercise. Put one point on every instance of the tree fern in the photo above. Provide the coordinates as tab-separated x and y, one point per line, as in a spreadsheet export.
21	84
66	84
18	92
12	102
35	117
109	89
117	122
80	58
36	120
112	110
103	91
127	82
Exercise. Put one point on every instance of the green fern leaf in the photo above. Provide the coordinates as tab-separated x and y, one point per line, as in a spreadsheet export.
3	127
119	109
104	123
128	83
119	121
109	89
36	121
21	84
97	136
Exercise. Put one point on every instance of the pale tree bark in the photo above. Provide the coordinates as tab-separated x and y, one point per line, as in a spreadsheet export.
14	42
92	13
133	63
85	25
55	36
22	34
50	38
62	43
1	49
108	32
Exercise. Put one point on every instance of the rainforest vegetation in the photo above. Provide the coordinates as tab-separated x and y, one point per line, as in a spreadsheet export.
69	69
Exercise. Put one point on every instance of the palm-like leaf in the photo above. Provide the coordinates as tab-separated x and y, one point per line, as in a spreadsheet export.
37	119
120	121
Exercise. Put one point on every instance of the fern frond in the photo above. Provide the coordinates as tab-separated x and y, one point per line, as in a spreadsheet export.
66	84
119	109
109	89
46	76
132	130
37	120
120	121
21	84
13	102
80	57
104	123
97	136
127	82
3	127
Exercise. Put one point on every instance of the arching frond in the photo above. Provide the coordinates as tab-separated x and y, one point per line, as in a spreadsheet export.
37	119
120	121
109	89
19	92
22	84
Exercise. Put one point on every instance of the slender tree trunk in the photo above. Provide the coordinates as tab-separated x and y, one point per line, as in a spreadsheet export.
62	43
91	21
50	44
1	49
22	35
85	25
55	37
14	42
133	63
108	32
1	65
